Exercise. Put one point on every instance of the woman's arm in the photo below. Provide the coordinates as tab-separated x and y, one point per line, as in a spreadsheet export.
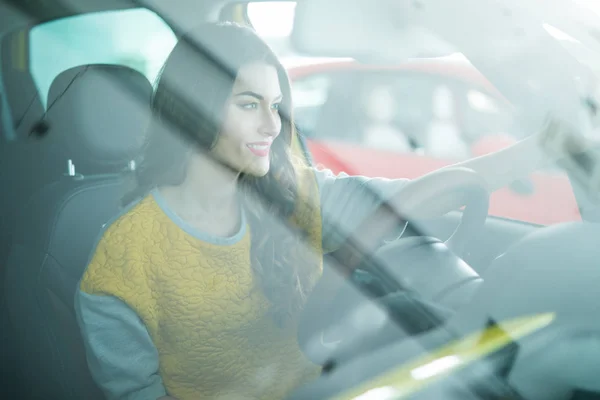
121	355
555	141
503	167
346	201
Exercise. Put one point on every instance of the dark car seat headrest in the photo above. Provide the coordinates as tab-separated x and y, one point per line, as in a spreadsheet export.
99	114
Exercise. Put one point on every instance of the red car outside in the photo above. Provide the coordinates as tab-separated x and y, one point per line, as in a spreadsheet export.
436	112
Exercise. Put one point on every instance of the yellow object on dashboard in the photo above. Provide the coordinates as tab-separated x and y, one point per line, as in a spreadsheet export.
415	375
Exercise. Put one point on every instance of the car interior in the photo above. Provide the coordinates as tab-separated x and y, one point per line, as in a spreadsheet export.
66	160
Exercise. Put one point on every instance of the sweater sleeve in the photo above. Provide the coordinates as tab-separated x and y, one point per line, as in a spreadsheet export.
347	200
121	355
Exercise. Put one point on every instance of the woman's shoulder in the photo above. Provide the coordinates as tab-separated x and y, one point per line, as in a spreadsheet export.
122	242
132	219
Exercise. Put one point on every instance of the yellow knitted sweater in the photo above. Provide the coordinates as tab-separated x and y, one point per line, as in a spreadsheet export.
200	304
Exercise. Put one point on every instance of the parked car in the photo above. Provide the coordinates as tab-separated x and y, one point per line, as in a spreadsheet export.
378	120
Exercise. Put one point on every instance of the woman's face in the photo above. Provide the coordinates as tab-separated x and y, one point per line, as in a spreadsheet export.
251	120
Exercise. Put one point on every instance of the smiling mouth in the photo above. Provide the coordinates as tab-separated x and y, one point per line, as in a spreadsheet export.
259	149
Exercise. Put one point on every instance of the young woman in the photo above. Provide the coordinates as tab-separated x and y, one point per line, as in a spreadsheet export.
194	290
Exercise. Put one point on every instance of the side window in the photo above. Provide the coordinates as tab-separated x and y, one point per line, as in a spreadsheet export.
483	115
408	111
433	114
412	111
310	94
137	38
395	109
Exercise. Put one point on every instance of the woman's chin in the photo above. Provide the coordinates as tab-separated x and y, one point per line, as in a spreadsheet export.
262	173
257	170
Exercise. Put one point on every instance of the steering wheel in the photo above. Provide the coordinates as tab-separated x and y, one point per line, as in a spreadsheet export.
416	265
445	190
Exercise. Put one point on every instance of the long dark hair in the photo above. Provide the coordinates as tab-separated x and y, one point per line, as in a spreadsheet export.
189	98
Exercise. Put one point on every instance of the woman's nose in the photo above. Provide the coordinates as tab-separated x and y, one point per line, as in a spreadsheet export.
271	122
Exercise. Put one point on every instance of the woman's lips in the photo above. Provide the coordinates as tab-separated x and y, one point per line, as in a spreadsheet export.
260	149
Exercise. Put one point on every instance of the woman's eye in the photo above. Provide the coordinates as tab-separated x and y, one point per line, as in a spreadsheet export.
248	106
276	106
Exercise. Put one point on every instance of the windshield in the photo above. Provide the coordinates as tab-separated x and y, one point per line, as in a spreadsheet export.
204	201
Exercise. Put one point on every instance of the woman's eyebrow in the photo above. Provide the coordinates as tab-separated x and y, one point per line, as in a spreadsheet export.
255	95
251	94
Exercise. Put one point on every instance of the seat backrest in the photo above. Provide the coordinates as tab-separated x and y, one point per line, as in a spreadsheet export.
97	116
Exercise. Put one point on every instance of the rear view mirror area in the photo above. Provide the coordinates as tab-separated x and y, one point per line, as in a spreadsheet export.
357	29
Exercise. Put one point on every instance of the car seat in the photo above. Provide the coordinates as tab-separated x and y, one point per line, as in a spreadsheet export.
97	115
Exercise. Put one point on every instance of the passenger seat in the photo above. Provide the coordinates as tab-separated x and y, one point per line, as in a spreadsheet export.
97	116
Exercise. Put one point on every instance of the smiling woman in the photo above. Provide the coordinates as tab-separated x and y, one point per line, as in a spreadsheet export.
222	237
220	139
252	119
